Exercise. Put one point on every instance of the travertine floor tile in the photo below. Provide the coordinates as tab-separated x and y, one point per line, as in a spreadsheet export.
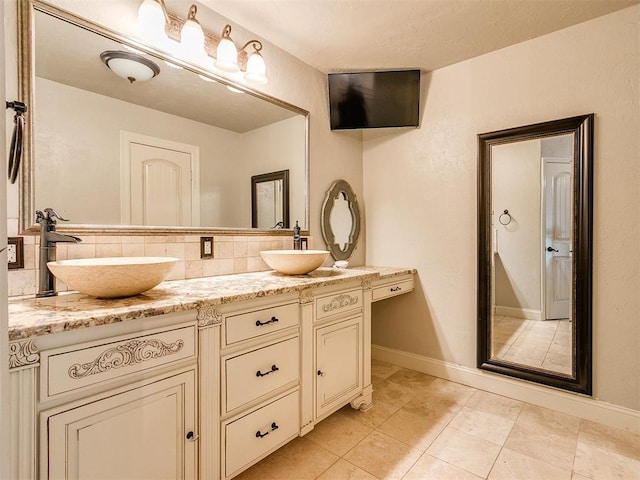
543	441
338	433
411	378
609	438
383	369
433	407
300	459
343	470
431	468
546	416
393	393
482	425
414	430
512	465
465	451
598	463
375	416
495	404
383	456
454	392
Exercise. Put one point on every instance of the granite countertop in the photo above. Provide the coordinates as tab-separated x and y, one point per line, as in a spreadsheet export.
30	316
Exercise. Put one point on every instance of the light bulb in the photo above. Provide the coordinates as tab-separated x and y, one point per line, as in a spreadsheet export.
256	69
151	21
227	53
192	38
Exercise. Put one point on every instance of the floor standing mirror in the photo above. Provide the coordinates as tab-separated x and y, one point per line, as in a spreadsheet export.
535	252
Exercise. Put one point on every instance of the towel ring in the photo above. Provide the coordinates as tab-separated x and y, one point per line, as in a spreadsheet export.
507	216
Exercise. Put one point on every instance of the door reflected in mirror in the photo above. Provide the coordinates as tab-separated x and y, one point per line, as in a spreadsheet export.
534	252
270	200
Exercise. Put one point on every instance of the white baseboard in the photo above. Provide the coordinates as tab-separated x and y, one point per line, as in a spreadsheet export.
566	402
516	312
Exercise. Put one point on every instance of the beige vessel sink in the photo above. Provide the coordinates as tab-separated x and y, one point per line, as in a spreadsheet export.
113	277
294	262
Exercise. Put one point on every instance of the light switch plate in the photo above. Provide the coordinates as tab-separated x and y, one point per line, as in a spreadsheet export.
15	252
206	247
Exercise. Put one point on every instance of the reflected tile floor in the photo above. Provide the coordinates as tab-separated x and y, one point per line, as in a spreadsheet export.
544	344
423	427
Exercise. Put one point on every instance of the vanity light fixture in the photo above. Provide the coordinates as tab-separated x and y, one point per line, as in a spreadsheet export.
155	23
129	65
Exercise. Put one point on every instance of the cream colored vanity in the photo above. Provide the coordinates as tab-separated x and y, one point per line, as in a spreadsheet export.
197	379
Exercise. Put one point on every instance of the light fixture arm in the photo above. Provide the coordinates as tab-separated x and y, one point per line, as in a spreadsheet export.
257	45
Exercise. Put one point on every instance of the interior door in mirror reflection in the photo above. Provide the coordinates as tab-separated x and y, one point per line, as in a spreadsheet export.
163	187
558	234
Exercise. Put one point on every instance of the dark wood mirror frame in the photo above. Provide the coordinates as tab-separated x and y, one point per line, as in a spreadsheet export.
270	177
582	129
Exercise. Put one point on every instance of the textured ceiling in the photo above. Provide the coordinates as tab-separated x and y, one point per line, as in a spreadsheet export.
340	35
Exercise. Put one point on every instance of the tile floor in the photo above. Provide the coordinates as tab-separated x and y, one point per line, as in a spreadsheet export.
545	344
422	427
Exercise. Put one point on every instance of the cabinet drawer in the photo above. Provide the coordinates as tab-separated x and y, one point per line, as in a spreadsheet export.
392	289
253	374
70	369
260	432
260	322
338	303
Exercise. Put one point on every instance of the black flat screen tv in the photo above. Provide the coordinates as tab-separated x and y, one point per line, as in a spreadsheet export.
374	99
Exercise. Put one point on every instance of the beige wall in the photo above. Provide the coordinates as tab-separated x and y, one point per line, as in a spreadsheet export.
515	180
420	191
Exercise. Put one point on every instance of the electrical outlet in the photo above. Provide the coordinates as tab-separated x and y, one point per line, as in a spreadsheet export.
15	252
206	247
11	254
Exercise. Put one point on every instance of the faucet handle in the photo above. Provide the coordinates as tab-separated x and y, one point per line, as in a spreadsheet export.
52	214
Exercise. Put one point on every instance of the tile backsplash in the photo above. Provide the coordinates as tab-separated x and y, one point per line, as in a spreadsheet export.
231	254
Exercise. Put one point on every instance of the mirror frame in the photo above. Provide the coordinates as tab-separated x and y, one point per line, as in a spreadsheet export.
582	129
327	233
270	177
26	72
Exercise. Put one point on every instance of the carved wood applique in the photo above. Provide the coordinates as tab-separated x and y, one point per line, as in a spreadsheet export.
22	354
208	316
341	301
130	353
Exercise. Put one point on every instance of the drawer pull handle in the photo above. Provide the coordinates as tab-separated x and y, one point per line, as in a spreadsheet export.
321	373
273	320
273	369
274	426
192	437
395	289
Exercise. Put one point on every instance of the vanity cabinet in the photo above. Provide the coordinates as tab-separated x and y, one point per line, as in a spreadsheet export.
143	432
260	380
338	349
123	406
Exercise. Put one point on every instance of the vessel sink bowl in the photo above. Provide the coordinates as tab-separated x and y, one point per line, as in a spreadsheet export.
113	277
294	262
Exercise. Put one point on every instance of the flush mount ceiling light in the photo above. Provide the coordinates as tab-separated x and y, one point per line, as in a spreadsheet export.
129	65
196	44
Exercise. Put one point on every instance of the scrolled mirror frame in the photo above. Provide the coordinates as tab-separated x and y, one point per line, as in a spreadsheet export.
26	72
327	232
582	128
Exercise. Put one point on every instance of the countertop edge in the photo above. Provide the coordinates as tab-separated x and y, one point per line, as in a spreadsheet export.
30	317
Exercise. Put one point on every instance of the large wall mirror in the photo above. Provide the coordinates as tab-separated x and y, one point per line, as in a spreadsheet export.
535	254
98	145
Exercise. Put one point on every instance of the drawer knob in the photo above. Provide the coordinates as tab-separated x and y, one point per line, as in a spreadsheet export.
321	373
192	437
395	289
274	368
274	426
273	320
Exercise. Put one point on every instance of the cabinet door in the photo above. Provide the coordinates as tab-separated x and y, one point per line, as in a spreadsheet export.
138	434
338	364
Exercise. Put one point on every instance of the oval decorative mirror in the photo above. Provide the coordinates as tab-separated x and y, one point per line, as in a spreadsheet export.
534	252
340	220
